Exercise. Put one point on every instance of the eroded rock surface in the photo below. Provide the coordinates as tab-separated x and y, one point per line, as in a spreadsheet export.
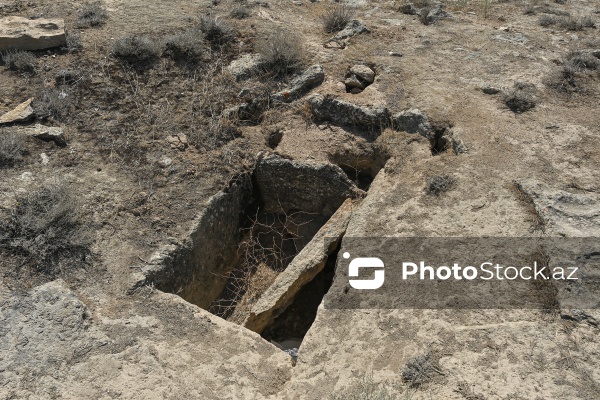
31	34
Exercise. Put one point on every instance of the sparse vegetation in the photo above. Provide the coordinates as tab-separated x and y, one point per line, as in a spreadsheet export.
51	104
575	66
12	149
92	15
419	371
337	17
438	184
74	43
282	52
138	52
240	12
367	389
20	61
547	20
217	32
46	228
521	98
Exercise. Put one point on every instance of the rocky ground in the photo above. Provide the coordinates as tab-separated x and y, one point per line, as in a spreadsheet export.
466	120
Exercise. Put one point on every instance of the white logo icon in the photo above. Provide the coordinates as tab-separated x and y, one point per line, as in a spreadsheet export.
367	262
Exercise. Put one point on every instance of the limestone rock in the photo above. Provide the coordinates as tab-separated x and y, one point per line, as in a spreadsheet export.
57	135
354	27
363	72
31	34
305	266
307	186
565	213
23	112
345	113
245	66
353	82
309	79
413	121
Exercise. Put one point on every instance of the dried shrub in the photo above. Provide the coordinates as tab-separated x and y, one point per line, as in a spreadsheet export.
366	389
92	15
337	17
282	52
438	184
240	12
521	98
74	43
419	371
20	61
547	20
138	52
51	104
186	47
46	229
217	32
12	149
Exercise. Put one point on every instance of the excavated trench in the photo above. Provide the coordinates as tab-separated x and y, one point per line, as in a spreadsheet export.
262	253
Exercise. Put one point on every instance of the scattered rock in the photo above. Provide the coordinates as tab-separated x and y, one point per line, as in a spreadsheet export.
22	113
45	159
245	66
395	54
354	27
412	121
57	135
31	34
352	82
490	90
309	79
433	15
178	142
345	113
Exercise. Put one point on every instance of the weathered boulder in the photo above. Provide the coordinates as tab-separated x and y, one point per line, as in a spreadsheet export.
31	34
345	113
363	72
305	266
309	79
245	66
23	112
288	186
354	27
432	15
412	121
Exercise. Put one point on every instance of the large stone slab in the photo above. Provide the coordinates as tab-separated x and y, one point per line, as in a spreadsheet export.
31	34
305	266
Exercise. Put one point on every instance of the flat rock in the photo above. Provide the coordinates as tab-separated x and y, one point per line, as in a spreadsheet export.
31	34
305	266
23	112
302	84
57	135
345	113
